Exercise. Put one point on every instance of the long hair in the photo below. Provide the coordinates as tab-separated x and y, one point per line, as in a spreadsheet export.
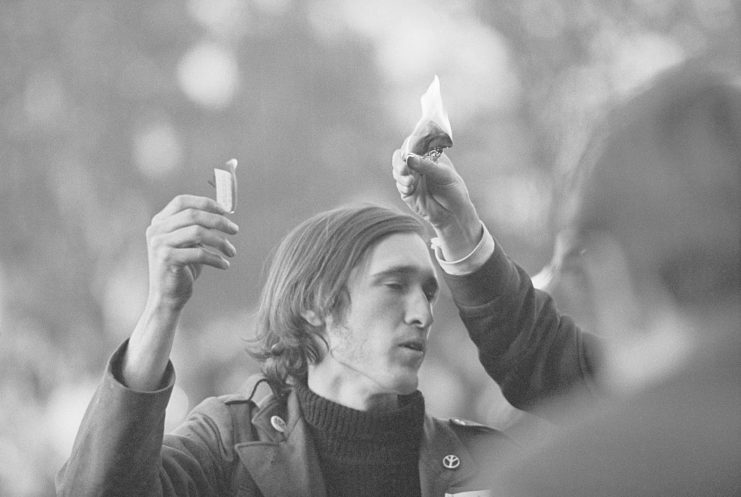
309	273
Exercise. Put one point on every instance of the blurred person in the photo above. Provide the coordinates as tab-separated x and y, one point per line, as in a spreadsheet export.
658	233
342	330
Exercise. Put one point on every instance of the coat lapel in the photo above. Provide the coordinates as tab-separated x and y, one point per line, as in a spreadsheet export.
283	464
438	442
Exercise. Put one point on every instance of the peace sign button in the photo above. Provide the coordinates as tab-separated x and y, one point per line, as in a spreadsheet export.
278	423
451	461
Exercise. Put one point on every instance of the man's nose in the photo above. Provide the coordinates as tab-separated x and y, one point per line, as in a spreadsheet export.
419	310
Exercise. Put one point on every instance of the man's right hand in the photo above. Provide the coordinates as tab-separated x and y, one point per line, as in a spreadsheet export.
187	234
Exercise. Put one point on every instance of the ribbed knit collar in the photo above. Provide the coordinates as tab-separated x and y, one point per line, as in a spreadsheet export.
366	454
399	427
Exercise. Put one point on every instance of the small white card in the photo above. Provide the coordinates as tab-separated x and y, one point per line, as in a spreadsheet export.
225	181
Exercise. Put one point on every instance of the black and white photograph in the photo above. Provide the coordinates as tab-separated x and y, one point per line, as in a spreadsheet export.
393	248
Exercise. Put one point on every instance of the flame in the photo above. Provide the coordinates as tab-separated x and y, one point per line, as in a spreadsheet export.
432	107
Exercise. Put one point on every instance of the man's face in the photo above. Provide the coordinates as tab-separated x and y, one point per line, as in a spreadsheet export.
381	342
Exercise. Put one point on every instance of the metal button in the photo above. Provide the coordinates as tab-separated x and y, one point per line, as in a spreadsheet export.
278	423
451	461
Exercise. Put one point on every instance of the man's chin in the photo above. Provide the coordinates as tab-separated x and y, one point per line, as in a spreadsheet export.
408	387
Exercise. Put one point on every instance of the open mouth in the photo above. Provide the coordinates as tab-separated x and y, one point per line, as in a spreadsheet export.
417	346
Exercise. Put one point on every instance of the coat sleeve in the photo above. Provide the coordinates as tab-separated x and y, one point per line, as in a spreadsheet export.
121	449
532	351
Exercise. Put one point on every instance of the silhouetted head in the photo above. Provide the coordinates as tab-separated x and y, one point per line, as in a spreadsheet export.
659	218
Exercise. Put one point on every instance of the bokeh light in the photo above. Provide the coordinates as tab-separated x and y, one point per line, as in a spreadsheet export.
158	149
223	18
209	75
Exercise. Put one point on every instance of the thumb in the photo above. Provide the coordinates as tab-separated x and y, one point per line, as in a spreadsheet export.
419	164
438	172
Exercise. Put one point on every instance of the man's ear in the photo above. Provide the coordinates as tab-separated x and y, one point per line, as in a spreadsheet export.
312	318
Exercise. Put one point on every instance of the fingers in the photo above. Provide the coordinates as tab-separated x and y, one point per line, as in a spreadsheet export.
191	230
412	170
399	163
199	236
421	165
196	256
194	217
413	164
184	202
441	175
406	179
190	245
406	189
190	210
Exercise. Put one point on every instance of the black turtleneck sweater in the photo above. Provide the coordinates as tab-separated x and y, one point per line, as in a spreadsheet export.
366	453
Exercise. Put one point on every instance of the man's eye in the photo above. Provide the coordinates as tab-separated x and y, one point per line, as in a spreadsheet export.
394	285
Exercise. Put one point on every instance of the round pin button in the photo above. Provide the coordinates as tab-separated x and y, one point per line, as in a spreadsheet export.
278	423
451	461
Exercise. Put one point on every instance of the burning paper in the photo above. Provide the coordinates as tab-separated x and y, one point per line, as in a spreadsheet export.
432	133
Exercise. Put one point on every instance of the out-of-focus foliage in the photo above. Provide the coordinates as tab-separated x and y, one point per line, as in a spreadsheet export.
111	108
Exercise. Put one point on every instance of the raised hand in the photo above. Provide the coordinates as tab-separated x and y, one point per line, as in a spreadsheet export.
188	233
436	192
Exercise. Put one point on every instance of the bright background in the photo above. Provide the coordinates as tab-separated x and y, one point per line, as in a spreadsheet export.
110	108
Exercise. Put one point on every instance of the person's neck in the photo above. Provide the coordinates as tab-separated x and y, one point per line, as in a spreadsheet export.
349	389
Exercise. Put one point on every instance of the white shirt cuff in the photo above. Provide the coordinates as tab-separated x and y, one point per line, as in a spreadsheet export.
469	263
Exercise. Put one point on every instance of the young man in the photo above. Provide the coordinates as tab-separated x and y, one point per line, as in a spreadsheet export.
342	331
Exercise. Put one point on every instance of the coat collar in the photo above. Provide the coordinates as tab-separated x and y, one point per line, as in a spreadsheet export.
286	463
283	463
439	442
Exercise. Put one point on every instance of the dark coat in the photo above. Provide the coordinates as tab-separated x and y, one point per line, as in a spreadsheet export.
533	352
231	446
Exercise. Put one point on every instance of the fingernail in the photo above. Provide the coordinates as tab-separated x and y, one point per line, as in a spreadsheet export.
230	249
233	226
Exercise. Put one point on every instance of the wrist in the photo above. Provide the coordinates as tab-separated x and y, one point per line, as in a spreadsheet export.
149	347
460	236
160	314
